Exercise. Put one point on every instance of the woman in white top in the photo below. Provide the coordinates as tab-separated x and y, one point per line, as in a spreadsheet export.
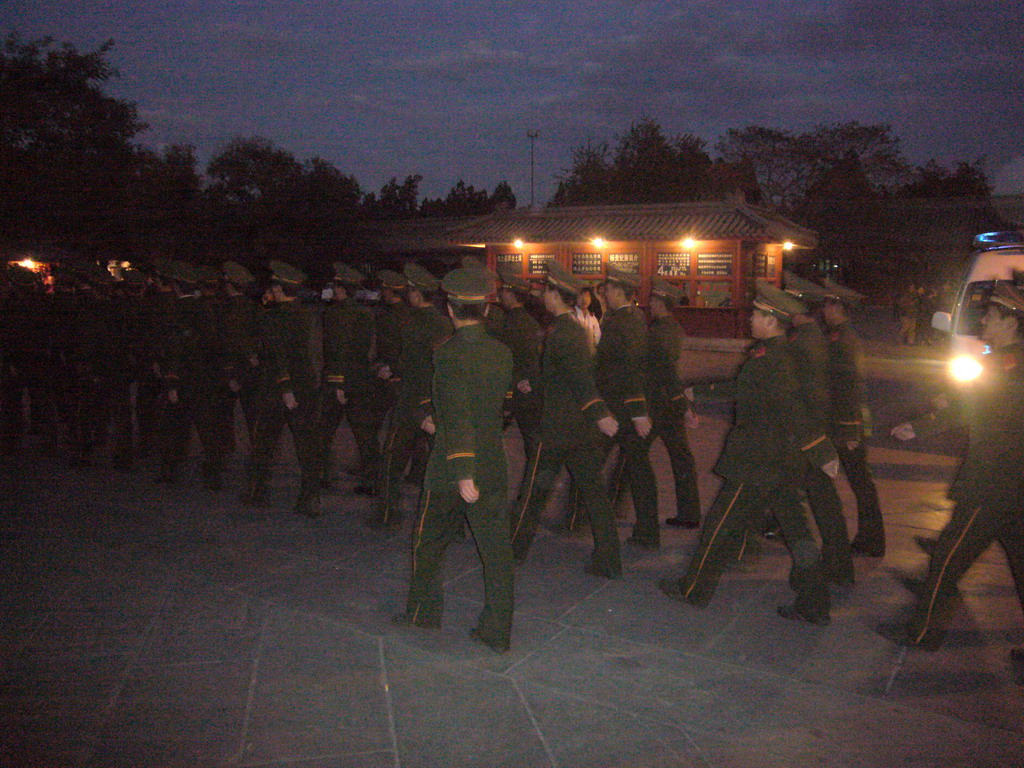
590	322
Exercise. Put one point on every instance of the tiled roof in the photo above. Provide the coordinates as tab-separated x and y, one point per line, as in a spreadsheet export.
701	221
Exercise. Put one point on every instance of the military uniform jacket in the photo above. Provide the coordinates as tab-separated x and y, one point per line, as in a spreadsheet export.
664	388
809	352
846	383
424	332
390	321
472	371
572	406
522	335
992	409
195	354
348	339
241	329
287	332
619	369
772	423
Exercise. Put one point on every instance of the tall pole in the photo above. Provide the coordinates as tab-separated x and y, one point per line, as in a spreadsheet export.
532	136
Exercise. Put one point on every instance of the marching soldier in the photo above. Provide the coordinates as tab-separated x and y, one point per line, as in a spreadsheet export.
467	474
620	375
988	491
423	332
847	428
522	334
665	396
573	418
348	382
764	455
241	323
286	333
809	352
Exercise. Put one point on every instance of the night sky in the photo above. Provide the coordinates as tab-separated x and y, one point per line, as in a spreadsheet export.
449	89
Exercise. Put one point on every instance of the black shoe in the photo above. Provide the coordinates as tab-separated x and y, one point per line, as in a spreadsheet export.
899	634
671	588
593	570
308	505
861	547
405	620
167	476
1017	660
790	612
254	495
925	543
364	489
643	543
498	646
679	522
379	523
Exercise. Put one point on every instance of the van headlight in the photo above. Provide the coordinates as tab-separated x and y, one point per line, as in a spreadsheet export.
964	368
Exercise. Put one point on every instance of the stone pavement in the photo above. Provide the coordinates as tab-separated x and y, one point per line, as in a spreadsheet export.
145	626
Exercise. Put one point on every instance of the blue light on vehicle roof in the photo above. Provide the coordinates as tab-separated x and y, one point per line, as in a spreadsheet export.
989	239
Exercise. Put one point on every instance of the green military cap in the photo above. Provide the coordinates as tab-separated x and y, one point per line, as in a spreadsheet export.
396	281
777	302
562	279
19	275
627	279
666	290
343	273
803	289
837	292
236	274
513	281
467	285
283	272
184	272
472	262
133	277
1008	295
95	274
420	278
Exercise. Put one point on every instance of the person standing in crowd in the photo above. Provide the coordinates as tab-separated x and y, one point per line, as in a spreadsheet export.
587	312
810	357
906	307
241	324
424	330
467	474
522	335
847	428
286	332
669	407
762	463
988	492
573	418
392	315
347	378
622	381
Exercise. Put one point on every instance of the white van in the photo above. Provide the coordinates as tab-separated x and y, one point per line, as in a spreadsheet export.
996	256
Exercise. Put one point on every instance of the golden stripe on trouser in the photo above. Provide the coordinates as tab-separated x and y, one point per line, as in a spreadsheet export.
942	571
416	546
529	492
714	535
390	451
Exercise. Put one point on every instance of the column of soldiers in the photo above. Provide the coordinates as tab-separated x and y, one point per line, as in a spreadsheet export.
145	361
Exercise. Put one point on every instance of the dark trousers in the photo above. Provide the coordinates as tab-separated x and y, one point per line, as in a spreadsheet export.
303	423
870	529
584	464
201	408
733	512
827	509
672	432
402	441
969	532
442	516
365	422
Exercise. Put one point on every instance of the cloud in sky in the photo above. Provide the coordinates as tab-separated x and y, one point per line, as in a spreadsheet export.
449	90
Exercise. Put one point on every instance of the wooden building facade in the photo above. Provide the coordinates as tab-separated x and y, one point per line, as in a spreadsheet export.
715	251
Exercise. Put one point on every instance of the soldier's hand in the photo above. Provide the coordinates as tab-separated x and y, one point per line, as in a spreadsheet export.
340	394
427	425
384	372
234	386
851	445
688	393
642	425
940	402
608	426
692	420
524	386
289	401
172	396
831	468
254	361
904	431
468	490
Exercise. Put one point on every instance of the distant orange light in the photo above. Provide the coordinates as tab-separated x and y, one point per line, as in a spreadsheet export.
598	242
29	264
788	246
518	243
689	243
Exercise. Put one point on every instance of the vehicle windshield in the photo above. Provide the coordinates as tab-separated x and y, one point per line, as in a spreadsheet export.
972	308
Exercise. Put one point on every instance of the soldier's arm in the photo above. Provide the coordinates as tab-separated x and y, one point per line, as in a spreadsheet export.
574	362
795	414
452	396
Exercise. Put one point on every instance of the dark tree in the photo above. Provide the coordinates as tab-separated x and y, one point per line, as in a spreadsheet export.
933	180
166	203
395	201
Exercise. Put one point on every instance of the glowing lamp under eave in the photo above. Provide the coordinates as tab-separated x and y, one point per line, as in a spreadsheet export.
689	243
518	243
598	242
788	245
28	264
964	368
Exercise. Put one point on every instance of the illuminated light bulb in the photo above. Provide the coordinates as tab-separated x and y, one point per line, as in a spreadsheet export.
518	243
689	243
788	246
598	242
964	368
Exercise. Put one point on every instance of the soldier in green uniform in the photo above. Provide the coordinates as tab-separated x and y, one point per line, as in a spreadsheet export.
621	378
348	381
847	428
286	333
988	490
423	332
573	418
761	464
522	334
467	473
240	325
669	407
809	352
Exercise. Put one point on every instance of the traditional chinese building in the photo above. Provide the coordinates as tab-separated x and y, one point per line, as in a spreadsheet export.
714	250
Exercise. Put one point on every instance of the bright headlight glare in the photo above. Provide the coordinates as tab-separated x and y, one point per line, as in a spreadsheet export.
964	368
